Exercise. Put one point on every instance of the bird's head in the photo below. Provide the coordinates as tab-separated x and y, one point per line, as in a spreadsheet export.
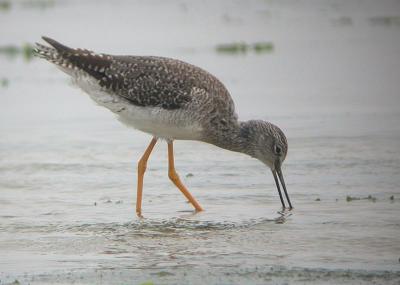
268	144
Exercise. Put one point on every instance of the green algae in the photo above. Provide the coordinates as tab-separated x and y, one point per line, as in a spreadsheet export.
4	82
353	198
243	48
26	51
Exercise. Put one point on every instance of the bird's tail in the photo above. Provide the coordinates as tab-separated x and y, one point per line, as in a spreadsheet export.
71	60
56	53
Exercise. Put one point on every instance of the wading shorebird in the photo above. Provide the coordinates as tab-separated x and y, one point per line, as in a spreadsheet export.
170	100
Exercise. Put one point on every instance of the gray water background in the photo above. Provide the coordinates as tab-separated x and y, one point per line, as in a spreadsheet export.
68	167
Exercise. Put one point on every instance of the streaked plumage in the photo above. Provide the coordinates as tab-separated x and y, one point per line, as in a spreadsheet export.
166	85
169	99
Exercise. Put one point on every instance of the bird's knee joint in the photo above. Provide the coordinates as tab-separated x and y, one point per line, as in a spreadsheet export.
173	176
142	165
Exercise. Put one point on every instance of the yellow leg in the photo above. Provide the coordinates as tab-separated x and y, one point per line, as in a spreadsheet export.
142	164
175	178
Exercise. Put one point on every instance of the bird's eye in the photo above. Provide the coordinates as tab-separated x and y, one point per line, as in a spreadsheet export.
277	149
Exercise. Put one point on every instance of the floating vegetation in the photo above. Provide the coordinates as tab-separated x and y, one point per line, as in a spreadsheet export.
163	274
28	51
232	48
242	47
385	20
12	51
38	4
5	5
4	82
263	47
369	197
343	21
318	199
349	198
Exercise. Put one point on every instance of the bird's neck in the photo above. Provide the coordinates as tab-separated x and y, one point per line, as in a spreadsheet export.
238	138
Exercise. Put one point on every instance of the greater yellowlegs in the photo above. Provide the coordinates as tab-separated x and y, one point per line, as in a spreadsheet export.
172	100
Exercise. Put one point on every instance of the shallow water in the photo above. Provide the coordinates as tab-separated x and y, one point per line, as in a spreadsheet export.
68	168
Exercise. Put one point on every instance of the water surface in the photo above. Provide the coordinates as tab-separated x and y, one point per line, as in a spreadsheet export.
68	168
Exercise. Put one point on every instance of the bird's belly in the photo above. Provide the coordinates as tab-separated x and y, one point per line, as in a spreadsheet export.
162	123
168	124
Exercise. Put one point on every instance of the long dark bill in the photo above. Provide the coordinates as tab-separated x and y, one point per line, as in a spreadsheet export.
279	188
280	175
